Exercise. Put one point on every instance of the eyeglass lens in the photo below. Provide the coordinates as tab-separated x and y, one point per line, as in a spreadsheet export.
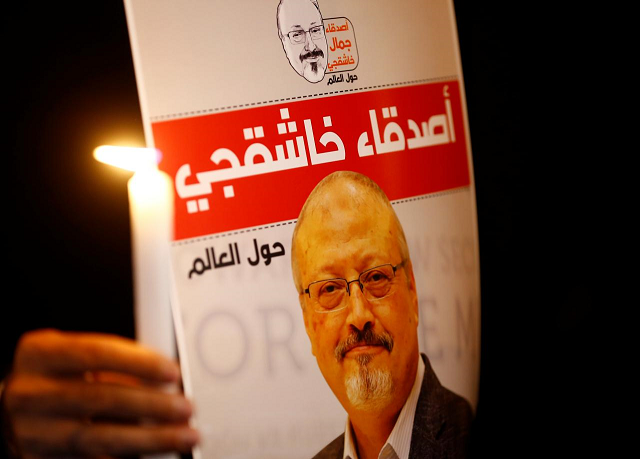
376	283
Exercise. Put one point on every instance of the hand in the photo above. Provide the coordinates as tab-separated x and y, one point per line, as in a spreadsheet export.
84	394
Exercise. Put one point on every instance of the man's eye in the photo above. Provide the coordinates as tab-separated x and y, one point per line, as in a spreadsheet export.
376	277
295	35
330	288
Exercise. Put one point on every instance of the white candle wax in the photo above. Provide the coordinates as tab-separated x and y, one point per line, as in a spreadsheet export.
151	210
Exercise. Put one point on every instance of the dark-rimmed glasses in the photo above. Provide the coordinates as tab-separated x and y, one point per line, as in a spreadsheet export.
375	283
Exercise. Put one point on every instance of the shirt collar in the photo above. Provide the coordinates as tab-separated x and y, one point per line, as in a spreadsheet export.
399	441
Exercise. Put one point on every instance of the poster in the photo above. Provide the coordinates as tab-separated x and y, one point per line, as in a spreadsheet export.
252	103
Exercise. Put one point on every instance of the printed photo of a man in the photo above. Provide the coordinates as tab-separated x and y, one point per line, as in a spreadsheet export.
301	31
353	272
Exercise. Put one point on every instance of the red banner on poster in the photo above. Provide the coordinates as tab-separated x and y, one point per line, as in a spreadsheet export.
256	165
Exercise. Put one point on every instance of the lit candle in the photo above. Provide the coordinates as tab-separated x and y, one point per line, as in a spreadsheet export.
151	212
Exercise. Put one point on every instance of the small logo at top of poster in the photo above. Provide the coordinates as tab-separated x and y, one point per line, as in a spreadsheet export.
313	45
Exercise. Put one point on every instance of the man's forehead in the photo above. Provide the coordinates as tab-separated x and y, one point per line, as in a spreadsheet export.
343	210
299	14
358	238
336	229
335	265
321	259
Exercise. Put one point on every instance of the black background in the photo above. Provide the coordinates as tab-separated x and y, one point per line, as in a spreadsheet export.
71	87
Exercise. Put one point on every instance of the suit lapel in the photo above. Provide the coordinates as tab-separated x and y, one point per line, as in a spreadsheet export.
429	420
334	450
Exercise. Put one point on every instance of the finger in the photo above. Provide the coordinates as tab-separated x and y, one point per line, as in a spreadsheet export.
55	352
67	456
128	380
42	436
77	398
110	377
64	456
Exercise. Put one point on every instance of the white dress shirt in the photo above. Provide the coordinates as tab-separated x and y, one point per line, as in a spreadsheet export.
399	441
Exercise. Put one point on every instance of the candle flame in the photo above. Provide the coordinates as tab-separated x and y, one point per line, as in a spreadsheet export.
128	158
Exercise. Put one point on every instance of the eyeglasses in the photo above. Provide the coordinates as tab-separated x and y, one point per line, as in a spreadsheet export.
375	284
298	36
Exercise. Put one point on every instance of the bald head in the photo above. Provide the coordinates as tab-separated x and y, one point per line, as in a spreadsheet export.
342	206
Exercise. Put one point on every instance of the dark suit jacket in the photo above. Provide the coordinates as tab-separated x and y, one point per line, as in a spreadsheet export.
440	426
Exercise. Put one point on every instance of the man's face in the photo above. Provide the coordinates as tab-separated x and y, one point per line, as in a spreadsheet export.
299	20
342	242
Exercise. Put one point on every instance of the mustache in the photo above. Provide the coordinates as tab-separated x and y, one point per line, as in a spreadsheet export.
311	54
362	338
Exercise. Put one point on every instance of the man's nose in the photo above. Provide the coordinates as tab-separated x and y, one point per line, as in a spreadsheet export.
309	44
359	308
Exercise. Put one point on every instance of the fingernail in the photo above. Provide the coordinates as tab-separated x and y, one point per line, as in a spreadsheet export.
189	438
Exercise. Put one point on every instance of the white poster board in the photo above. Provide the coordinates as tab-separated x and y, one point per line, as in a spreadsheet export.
248	121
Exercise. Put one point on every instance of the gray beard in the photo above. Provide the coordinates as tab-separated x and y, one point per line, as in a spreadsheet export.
369	389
